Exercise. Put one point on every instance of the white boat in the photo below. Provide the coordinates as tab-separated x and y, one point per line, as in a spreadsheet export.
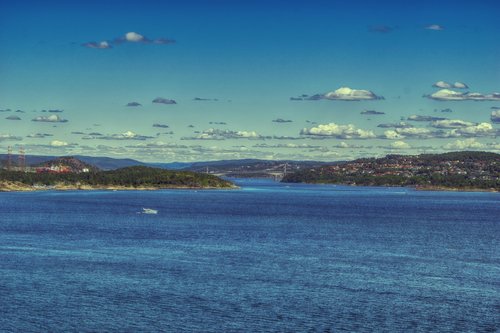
149	211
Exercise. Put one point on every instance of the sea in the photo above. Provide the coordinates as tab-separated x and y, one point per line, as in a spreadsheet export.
268	257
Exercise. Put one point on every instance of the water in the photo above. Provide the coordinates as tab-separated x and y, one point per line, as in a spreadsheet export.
267	258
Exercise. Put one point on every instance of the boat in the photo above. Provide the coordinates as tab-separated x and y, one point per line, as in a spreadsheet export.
149	211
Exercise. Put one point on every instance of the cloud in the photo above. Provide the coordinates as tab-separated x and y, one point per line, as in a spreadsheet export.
451	95
342	94
482	129
133	104
470	143
160	125
435	27
413	132
13	118
286	145
134	37
383	29
451	123
50	119
281	120
9	137
460	85
57	143
400	145
446	85
372	112
218	134
442	84
199	99
159	145
162	100
100	45
348	94
401	124
495	116
447	110
345	145
286	137
128	135
424	118
338	131
38	135
129	37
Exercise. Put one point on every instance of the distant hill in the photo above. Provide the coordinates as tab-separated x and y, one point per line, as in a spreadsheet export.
67	164
103	163
252	168
453	170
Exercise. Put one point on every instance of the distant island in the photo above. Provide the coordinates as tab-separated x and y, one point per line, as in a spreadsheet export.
69	173
467	170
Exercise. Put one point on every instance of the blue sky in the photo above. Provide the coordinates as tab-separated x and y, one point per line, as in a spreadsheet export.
250	62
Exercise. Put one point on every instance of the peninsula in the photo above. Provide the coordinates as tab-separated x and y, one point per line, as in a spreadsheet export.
467	170
128	178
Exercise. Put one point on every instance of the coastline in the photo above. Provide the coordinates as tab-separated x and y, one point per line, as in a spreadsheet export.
419	188
10	186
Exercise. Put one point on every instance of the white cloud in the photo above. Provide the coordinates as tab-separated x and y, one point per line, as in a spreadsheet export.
57	143
460	85
400	145
53	118
127	135
414	132
451	123
451	95
482	129
134	37
9	137
218	134
341	94
442	84
286	145
339	131
348	94
95	45
435	27
345	145
470	143
446	85
392	135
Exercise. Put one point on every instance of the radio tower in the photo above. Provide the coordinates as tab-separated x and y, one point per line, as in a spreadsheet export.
22	159
9	158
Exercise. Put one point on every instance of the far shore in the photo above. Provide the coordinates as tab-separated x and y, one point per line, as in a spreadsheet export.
419	188
8	186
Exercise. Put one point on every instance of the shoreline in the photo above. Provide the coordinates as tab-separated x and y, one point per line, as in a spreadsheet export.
20	187
416	188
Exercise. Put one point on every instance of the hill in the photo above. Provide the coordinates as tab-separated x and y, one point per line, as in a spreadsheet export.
103	163
251	168
66	164
137	177
454	170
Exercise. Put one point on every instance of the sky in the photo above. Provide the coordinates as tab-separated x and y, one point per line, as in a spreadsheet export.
165	81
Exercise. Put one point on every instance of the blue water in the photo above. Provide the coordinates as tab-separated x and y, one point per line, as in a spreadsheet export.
266	258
